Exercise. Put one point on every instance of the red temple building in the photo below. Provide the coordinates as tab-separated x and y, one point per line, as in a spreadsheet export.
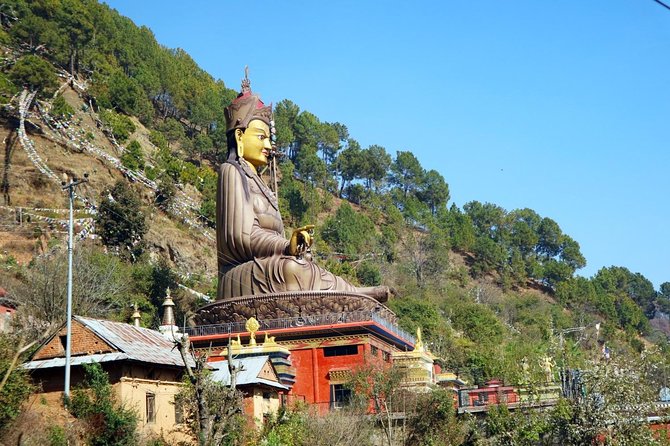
324	349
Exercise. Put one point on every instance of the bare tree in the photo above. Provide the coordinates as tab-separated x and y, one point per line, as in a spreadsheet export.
345	427
212	409
99	285
377	385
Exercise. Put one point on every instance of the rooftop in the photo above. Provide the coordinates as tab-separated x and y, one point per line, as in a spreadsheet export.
133	343
368	320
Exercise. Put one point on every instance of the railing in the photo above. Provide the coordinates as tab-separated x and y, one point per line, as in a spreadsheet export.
303	321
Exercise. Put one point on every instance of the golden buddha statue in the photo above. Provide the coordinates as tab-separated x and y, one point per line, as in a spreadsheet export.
254	256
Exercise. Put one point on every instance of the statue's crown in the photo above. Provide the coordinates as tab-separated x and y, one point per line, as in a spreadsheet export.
245	107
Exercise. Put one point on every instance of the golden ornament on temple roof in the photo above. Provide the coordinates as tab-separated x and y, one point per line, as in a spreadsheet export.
252	327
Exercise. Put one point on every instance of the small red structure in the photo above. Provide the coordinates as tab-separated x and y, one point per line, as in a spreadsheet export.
480	398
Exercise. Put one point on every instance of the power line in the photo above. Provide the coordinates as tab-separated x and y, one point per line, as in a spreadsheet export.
662	4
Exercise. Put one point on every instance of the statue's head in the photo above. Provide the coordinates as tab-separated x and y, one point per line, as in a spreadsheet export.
249	126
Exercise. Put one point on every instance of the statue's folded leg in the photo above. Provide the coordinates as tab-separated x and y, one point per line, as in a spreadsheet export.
279	274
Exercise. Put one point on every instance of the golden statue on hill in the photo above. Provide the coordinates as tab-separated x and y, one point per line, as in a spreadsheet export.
254	256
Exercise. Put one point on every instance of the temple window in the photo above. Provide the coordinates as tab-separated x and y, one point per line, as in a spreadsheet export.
341	350
374	350
339	396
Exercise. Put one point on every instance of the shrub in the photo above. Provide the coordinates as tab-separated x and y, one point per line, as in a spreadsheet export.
17	388
109	423
61	109
121	125
133	158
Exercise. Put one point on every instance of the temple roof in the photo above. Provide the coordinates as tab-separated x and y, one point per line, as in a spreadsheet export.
130	342
249	372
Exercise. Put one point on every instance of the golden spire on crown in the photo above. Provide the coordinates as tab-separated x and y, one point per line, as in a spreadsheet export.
246	107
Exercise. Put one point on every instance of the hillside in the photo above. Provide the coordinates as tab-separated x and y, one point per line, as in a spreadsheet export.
77	147
488	286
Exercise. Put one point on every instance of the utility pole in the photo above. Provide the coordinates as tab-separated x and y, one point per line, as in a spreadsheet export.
69	184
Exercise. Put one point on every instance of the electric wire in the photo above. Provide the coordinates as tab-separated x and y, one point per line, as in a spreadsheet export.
662	4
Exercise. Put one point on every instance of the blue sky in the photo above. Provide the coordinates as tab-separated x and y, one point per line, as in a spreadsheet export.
559	106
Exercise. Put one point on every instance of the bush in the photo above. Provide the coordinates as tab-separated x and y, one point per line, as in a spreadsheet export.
109	423
133	158
61	109
158	139
17	388
121	125
368	274
7	88
57	436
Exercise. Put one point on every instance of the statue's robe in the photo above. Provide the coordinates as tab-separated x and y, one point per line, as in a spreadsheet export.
251	247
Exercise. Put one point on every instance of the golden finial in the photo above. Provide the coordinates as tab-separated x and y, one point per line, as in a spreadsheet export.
252	327
418	345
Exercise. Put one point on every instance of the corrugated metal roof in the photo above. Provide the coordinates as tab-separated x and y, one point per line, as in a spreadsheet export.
134	344
248	374
139	344
75	360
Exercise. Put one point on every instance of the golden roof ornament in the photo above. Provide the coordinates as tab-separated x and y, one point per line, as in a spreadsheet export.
269	340
252	327
418	345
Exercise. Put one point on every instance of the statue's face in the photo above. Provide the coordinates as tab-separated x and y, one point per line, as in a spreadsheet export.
254	143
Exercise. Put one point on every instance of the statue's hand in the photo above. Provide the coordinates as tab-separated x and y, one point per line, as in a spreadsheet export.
301	239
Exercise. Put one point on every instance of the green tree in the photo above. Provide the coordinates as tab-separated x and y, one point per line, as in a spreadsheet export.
285	114
35	73
524	224
459	228
350	164
309	166
76	25
349	232
61	109
125	93
172	130
204	146
120	222
433	421
434	191
522	427
550	238
406	173
620	281
376	164
489	256
487	218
